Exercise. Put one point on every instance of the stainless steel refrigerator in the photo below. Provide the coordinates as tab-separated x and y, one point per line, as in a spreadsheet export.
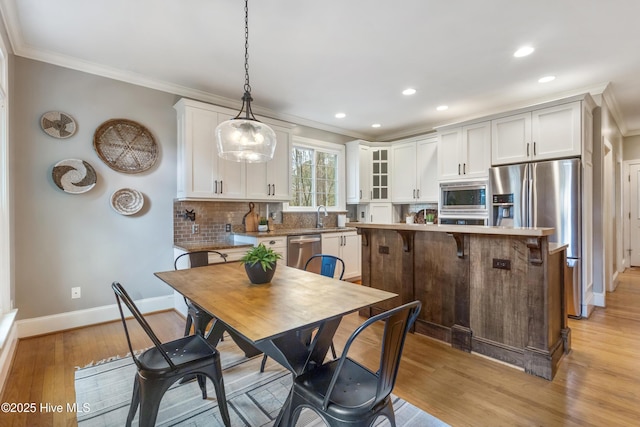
544	194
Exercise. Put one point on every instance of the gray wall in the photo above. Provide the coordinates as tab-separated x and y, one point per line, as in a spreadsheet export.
65	240
631	147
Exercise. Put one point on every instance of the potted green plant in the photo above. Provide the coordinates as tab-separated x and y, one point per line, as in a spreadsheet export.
429	218
260	263
263	225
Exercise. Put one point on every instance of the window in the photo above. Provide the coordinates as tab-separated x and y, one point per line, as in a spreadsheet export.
316	173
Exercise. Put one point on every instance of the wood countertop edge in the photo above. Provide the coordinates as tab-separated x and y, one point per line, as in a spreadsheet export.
557	247
464	229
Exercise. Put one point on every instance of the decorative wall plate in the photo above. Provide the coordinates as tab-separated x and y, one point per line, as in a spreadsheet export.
125	146
127	201
58	124
74	176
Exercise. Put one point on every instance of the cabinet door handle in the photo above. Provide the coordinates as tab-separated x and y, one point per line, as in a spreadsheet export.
458	168
220	186
418	192
360	194
273	189
464	169
527	149
268	189
215	190
534	148
414	193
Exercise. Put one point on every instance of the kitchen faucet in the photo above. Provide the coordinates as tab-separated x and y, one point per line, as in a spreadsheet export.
319	220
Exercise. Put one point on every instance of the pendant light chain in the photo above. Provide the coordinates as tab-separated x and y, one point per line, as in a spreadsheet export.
247	86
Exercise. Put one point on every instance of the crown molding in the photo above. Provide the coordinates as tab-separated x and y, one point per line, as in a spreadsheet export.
614	110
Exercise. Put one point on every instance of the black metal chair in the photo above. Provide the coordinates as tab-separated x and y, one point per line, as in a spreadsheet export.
163	364
195	314
328	264
345	393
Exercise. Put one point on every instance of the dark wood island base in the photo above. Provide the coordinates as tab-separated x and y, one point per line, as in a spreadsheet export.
489	290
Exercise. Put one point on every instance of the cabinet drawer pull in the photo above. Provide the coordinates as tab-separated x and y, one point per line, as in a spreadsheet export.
272	242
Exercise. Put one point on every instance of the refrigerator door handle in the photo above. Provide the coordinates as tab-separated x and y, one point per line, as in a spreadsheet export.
533	220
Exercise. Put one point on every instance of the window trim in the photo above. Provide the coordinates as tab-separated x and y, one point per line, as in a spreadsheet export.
6	256
327	147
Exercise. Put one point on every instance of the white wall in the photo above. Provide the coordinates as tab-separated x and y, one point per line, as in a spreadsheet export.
64	240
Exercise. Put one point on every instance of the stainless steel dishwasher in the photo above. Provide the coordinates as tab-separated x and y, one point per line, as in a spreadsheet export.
300	248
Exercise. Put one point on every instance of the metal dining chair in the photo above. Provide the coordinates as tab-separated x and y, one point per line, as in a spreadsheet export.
328	264
163	364
345	393
195	314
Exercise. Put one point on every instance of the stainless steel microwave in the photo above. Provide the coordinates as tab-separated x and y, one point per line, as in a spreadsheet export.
470	197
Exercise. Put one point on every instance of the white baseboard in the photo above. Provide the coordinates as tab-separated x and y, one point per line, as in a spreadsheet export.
8	346
599	299
91	316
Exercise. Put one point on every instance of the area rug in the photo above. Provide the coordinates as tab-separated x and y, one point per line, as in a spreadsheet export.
103	393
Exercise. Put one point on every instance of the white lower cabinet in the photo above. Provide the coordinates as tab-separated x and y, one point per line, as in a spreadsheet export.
277	243
345	245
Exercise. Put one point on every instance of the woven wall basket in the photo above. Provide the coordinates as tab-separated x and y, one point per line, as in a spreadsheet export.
125	146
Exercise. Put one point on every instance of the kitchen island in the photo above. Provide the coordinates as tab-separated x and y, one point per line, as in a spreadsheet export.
495	291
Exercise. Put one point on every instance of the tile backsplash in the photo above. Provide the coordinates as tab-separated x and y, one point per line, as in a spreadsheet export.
212	216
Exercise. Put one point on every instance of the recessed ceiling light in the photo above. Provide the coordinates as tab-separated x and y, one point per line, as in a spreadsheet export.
376	125
409	91
523	51
340	115
442	107
546	79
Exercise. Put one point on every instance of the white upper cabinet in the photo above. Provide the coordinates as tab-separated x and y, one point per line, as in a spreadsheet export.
414	175
368	172
270	181
358	176
547	133
380	173
202	174
464	152
364	174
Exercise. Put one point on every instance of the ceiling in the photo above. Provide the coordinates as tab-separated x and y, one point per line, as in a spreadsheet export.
309	60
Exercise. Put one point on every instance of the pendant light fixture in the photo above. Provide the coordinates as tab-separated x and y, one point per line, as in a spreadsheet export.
245	139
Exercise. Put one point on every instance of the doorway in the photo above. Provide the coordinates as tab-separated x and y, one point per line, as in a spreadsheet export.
634	214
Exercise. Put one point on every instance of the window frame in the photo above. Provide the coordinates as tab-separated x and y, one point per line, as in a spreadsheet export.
326	147
6	256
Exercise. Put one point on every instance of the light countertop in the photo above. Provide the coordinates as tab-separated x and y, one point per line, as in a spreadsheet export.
465	229
293	231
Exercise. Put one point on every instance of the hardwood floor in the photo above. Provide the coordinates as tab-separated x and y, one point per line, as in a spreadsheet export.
598	383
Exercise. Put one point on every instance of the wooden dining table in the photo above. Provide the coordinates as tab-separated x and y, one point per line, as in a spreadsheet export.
275	318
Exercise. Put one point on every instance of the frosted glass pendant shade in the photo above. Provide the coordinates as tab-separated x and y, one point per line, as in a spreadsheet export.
245	140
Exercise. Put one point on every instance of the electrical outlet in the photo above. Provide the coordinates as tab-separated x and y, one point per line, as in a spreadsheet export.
227	227
195	229
75	293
